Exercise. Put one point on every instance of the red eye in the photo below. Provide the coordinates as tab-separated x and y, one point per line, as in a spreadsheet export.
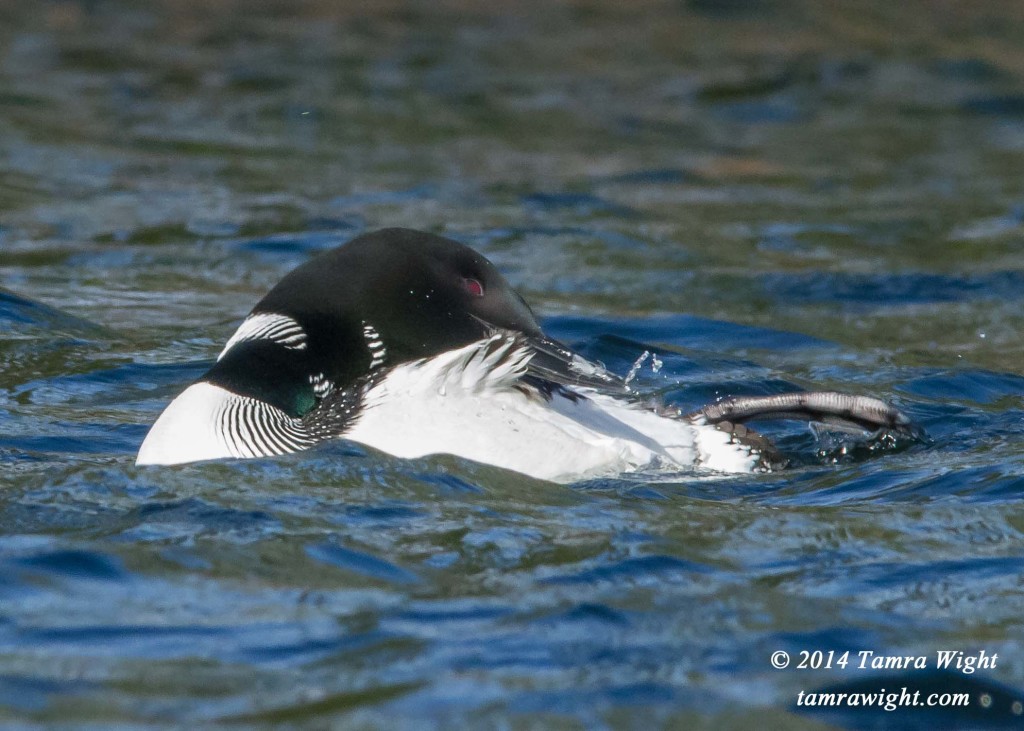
473	287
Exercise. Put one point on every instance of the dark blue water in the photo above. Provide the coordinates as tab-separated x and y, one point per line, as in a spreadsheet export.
766	199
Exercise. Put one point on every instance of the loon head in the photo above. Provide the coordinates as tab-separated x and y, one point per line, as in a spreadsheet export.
384	298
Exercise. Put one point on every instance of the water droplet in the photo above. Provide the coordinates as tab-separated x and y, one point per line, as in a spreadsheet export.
636	366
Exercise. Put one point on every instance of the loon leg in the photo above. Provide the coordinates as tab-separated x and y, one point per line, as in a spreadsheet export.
860	415
841	411
769	458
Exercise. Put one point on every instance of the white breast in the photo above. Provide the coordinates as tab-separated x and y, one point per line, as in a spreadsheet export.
467	403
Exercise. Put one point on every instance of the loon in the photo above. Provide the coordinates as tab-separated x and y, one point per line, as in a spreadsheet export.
414	344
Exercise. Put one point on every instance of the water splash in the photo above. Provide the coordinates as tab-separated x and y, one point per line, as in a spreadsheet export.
635	369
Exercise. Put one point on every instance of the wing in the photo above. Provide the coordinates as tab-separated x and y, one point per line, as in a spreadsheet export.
553	362
556	363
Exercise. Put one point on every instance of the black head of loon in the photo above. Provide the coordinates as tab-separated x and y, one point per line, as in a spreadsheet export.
381	299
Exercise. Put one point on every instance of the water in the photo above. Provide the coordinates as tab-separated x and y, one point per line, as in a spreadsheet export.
762	195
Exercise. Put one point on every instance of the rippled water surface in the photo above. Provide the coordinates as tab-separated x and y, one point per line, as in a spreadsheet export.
767	194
